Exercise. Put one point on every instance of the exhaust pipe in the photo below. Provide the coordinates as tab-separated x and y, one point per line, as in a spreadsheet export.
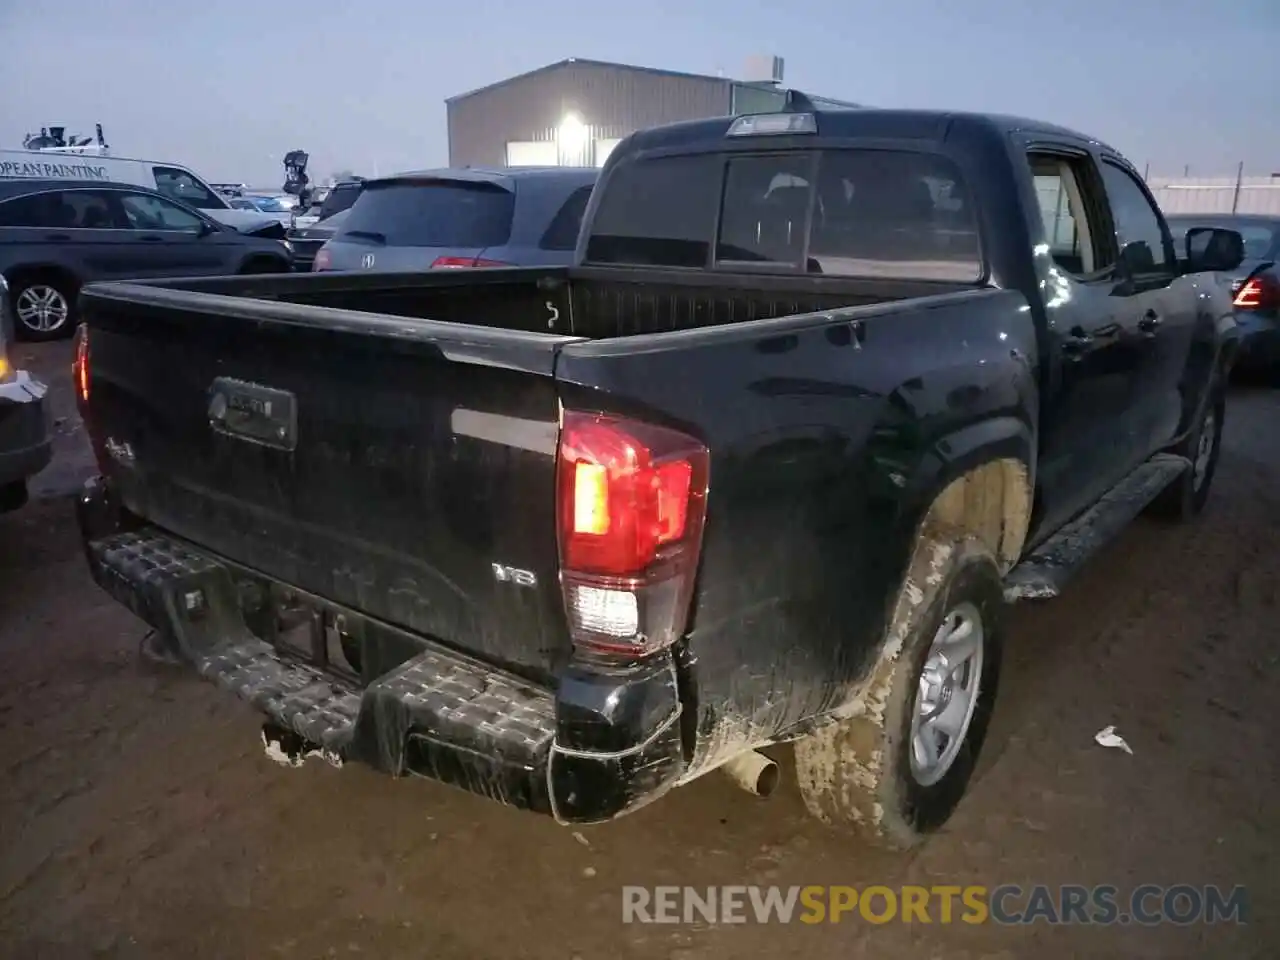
753	772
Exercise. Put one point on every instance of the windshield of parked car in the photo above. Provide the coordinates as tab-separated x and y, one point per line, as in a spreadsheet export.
274	204
182	185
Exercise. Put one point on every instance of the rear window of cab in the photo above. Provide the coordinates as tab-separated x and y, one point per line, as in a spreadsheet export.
884	214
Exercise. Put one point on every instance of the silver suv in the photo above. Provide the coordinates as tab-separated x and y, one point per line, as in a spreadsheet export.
466	217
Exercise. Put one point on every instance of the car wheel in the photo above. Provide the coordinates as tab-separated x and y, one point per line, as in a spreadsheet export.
43	308
1187	496
895	770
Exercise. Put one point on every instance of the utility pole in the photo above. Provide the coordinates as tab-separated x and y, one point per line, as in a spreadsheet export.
1235	199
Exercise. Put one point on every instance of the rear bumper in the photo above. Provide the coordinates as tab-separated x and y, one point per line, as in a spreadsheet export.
604	743
25	444
304	254
1259	340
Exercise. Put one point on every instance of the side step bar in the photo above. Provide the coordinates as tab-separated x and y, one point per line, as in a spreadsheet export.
1045	570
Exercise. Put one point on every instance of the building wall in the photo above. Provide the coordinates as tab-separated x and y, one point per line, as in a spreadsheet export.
611	102
1216	194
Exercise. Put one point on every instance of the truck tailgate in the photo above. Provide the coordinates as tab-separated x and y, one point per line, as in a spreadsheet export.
405	469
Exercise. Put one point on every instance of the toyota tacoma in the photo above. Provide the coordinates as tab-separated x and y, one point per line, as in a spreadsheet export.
820	395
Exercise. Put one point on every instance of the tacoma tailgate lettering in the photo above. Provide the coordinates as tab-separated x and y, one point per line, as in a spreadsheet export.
252	412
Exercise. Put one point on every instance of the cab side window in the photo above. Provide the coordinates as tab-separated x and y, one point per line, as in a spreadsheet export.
1071	226
1141	237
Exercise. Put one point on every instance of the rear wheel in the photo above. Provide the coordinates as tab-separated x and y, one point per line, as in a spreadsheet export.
1187	496
896	771
43	307
13	495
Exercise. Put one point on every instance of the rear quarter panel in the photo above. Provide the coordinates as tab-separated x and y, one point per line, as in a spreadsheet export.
826	449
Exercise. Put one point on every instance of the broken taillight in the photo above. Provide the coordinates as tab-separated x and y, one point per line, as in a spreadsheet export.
631	507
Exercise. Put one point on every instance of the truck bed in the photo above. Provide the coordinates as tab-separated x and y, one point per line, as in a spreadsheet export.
387	458
596	303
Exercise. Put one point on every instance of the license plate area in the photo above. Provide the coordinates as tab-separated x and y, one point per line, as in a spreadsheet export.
315	634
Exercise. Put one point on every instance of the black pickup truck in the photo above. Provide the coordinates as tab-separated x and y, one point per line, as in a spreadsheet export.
823	392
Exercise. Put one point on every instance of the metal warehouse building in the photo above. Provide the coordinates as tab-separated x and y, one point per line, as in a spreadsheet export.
572	113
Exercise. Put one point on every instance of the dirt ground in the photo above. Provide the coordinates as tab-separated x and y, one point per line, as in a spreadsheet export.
140	817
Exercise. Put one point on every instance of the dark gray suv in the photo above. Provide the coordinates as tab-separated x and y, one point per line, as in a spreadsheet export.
57	235
463	217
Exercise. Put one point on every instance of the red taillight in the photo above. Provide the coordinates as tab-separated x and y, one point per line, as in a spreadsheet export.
1258	293
632	499
80	366
82	377
464	263
323	260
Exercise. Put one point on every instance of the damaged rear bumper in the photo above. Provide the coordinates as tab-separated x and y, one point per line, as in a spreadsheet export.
25	441
603	743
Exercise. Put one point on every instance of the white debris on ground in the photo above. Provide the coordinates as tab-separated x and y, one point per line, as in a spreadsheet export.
1107	737
277	753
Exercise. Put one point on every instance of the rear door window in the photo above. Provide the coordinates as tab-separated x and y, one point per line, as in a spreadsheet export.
60	209
33	210
562	233
90	210
432	214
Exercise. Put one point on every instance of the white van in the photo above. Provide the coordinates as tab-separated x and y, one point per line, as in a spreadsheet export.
172	179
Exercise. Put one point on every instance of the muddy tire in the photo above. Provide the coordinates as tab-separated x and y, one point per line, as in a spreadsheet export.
890	773
1186	497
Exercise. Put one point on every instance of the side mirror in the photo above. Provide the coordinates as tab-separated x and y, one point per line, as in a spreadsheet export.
205	229
1213	249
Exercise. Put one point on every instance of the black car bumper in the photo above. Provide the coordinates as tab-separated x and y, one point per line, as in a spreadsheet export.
25	444
304	253
603	743
1259	341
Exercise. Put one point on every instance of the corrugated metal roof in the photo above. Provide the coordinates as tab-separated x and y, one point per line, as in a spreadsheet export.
589	63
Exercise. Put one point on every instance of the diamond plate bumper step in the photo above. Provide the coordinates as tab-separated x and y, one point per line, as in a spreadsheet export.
439	714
